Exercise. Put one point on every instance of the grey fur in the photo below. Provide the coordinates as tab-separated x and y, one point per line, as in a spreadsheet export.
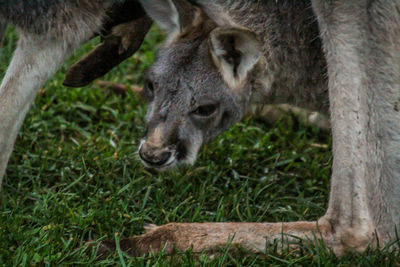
44	43
361	41
185	76
49	32
53	17
363	55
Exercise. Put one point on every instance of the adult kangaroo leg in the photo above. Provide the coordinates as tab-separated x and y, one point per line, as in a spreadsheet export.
45	43
361	42
362	45
35	60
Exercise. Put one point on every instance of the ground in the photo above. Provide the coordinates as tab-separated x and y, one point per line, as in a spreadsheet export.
75	176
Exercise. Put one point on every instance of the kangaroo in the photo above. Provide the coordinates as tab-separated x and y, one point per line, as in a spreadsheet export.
49	32
221	54
206	75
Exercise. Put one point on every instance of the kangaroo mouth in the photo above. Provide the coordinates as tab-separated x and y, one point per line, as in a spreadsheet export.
180	154
160	160
169	164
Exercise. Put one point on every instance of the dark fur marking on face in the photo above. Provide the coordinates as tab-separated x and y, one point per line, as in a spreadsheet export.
181	151
174	137
224	119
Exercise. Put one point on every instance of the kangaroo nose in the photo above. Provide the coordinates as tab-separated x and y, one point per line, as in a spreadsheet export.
154	157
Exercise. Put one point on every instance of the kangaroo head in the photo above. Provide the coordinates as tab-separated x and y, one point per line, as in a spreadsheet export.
198	86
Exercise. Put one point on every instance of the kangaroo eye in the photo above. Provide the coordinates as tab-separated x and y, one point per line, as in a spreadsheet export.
205	110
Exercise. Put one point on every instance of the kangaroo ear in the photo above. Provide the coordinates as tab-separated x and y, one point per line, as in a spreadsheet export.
170	15
235	52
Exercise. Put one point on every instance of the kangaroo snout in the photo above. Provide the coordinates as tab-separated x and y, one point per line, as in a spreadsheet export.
156	157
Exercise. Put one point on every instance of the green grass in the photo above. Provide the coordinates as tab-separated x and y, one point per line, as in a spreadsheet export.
75	176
